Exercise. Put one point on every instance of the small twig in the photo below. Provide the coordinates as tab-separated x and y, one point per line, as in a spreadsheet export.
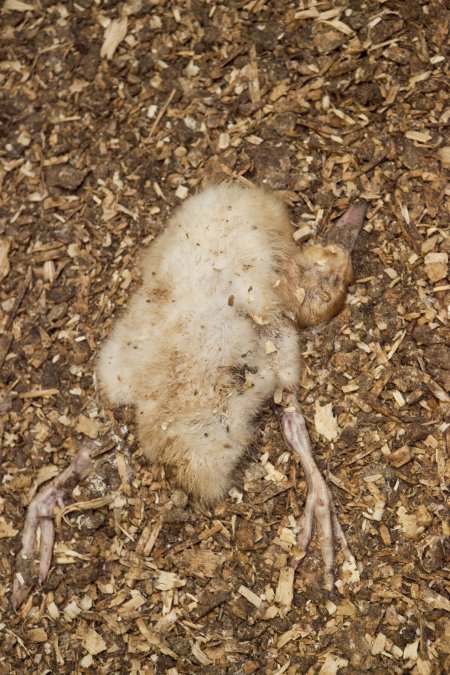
161	114
192	542
370	165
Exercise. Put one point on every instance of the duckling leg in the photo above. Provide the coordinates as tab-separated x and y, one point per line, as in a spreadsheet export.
40	516
319	505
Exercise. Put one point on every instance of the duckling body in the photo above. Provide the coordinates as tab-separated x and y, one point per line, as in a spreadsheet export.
207	338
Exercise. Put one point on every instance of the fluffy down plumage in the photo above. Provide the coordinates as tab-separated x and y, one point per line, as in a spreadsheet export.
207	338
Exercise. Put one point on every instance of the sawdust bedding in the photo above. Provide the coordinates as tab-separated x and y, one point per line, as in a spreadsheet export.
112	114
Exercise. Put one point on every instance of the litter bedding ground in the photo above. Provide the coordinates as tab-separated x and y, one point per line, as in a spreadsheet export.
112	114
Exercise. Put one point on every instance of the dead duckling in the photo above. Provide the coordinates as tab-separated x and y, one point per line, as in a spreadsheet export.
224	290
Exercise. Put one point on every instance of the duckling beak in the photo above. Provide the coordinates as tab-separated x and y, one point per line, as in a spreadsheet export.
345	232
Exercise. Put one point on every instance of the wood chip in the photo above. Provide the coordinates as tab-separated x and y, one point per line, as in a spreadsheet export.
411	651
71	611
154	640
400	457
39	393
5	245
340	26
37	635
379	644
444	156
332	665
88	426
285	588
289	636
269	347
181	192
17	6
114	34
303	234
168	581
249	595
6	529
419	136
93	642
325	422
200	655
436	266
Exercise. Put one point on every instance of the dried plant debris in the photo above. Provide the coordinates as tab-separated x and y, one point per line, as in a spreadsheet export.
111	114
